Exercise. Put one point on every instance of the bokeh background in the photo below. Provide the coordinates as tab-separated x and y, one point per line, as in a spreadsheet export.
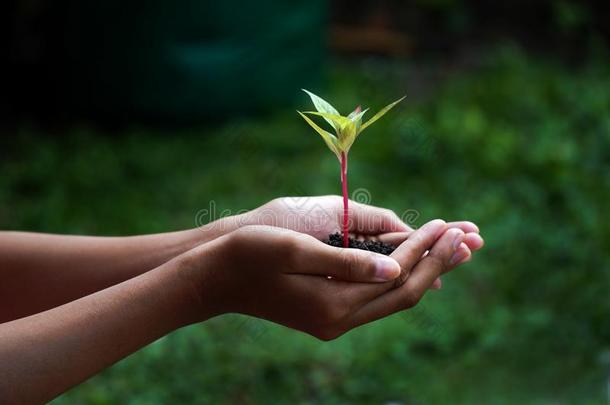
125	118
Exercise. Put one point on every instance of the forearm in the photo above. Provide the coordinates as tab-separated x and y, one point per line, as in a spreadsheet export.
44	354
41	271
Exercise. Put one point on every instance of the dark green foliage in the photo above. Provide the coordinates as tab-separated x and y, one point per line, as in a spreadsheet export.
519	145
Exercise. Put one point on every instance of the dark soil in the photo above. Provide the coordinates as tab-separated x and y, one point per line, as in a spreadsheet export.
336	239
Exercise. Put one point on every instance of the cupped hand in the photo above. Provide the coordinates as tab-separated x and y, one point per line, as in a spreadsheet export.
295	280
323	215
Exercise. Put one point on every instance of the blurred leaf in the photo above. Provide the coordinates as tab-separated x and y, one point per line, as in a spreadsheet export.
347	129
337	121
329	139
323	107
381	113
356	117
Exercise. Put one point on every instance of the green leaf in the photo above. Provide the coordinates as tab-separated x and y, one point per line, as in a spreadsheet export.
322	106
348	129
337	121
357	119
380	113
351	115
356	114
329	139
348	136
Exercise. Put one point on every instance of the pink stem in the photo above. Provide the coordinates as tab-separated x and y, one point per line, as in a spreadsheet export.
345	199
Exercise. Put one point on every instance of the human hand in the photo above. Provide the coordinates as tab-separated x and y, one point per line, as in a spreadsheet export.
323	215
282	275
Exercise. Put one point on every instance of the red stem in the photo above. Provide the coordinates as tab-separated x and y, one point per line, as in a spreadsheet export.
345	199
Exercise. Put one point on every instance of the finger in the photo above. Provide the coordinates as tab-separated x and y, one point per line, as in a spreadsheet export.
465	226
461	256
474	241
367	293
422	277
369	220
364	293
317	258
412	250
440	260
396	238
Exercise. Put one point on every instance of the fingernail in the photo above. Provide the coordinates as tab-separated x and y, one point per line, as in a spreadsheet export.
479	241
457	257
386	269
457	241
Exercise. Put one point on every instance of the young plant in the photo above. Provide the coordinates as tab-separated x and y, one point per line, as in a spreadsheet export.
346	131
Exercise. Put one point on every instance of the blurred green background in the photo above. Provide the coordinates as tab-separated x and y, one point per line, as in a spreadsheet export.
507	123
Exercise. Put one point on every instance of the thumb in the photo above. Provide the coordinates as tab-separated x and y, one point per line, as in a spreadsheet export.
370	220
353	265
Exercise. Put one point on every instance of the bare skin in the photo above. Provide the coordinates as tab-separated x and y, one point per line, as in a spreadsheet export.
41	271
113	304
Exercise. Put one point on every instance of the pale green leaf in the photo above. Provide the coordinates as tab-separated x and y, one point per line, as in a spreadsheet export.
348	136
380	113
353	113
322	106
357	120
329	139
337	121
356	116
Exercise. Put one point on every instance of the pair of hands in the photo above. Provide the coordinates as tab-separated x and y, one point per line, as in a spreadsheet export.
82	303
271	263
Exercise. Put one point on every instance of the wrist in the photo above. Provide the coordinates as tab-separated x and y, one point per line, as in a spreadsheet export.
213	230
202	271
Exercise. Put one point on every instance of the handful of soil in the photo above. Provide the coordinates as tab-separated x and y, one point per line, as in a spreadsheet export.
336	239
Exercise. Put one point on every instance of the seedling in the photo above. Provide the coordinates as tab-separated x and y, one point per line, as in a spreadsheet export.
346	130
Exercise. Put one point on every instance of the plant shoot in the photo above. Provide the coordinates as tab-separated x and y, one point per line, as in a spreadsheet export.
346	130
